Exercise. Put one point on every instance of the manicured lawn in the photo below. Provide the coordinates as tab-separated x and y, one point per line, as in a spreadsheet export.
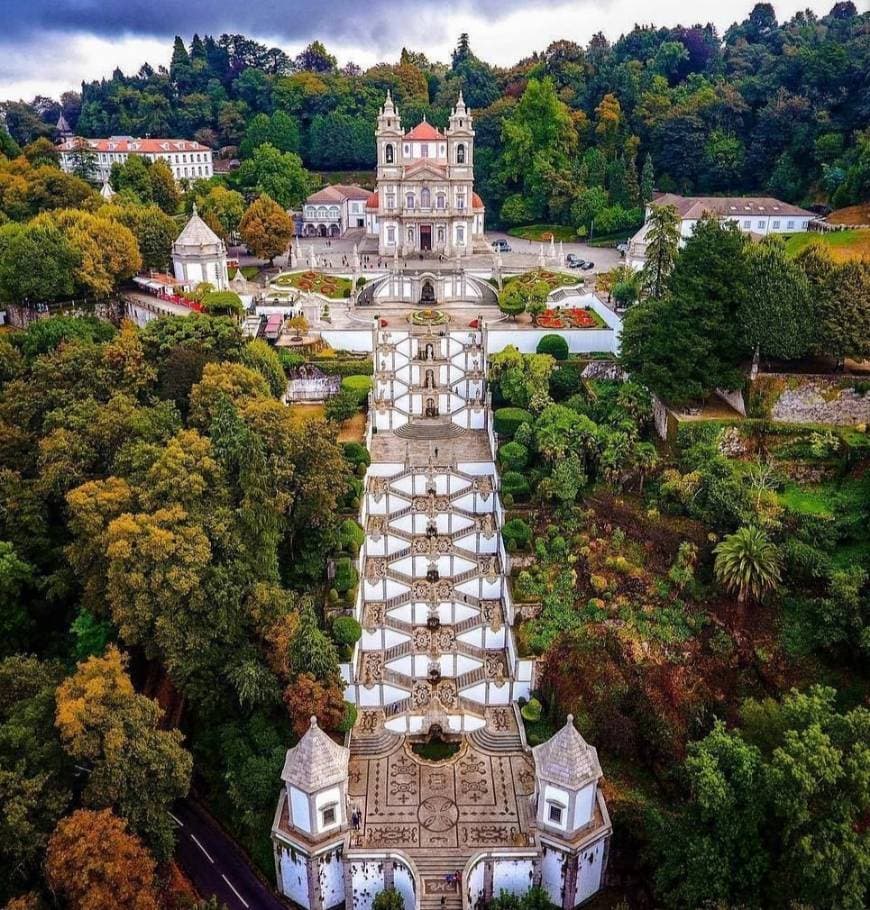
843	245
331	286
537	232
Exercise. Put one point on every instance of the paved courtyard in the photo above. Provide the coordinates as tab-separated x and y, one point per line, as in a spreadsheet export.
478	798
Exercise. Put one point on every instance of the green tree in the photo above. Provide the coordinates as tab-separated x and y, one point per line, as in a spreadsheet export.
266	228
278	175
222	210
164	190
662	243
388	899
747	563
37	262
716	853
775	312
647	181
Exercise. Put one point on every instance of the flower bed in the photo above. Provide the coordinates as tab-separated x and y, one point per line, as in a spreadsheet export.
572	318
313	282
553	279
428	317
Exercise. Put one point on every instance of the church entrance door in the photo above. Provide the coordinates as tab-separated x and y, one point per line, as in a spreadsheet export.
425	236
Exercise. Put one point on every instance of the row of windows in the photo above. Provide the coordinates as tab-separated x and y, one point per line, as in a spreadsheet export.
389	152
774	226
425	200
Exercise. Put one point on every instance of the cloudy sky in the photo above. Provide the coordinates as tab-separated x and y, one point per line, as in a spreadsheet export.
49	46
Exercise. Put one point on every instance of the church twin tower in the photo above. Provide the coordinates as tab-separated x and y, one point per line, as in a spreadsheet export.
425	200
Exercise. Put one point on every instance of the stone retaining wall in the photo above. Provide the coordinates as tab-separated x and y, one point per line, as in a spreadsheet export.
817	399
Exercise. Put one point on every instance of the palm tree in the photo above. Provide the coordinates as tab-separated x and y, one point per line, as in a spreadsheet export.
748	563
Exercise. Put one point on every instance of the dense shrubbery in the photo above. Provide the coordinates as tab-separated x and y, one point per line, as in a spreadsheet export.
516	533
506	421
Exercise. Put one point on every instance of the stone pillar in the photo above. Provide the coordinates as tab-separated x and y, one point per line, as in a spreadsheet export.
487	880
315	898
570	882
389	869
348	883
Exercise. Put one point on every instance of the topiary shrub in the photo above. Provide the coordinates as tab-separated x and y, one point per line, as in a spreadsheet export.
222	303
517	532
351	536
513	456
507	500
554	345
531	711
515	484
506	421
345	575
357	454
346	630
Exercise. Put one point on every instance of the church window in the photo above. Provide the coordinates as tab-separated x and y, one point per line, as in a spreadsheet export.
460	234
460	153
440	200
391	235
424	150
425	201
460	201
391	201
555	813
388	154
409	200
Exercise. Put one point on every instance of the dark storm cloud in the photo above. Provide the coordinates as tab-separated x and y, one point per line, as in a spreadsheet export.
347	21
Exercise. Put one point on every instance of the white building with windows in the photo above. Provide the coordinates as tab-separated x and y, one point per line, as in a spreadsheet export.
425	199
334	210
187	160
756	215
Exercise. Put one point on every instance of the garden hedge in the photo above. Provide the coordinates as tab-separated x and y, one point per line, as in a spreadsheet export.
554	345
346	575
517	531
359	386
356	453
507	420
351	535
515	484
362	367
513	457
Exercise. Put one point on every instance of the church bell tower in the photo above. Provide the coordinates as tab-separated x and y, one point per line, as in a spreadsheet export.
389	140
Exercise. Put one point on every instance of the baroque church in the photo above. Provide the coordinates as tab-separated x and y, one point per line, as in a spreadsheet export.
425	200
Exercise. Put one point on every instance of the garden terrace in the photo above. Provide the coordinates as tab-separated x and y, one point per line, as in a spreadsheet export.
312	282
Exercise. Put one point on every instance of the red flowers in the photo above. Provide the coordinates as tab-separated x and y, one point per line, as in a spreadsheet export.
573	318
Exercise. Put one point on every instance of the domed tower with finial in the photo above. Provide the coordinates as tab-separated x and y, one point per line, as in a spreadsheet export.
311	820
571	817
199	255
460	140
389	140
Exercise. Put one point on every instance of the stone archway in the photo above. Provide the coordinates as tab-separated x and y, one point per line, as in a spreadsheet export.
322	230
427	293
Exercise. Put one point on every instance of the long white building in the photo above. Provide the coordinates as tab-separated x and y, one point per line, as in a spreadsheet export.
756	215
188	160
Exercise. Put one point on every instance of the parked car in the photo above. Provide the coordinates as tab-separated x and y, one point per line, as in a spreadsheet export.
501	246
587	265
622	248
573	261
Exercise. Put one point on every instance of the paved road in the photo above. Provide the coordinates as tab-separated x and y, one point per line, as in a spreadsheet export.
215	864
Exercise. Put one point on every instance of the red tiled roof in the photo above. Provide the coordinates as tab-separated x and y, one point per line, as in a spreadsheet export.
372	202
352	191
127	144
424	131
476	201
327	194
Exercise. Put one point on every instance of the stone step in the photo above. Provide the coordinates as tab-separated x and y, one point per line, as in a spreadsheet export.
507	742
419	430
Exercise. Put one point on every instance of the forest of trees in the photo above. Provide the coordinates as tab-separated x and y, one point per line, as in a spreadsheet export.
569	135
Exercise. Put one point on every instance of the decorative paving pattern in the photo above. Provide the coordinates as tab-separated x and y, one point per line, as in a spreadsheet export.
477	799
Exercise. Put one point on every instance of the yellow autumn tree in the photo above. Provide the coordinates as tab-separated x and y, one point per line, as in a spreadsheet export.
94	863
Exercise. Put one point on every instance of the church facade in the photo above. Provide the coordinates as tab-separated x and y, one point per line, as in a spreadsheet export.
425	201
